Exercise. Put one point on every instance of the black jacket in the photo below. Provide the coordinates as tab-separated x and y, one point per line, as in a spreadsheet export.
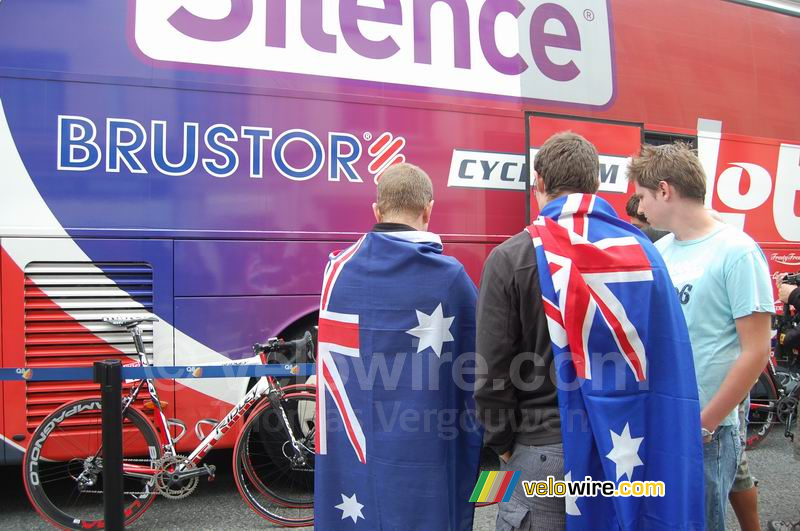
519	401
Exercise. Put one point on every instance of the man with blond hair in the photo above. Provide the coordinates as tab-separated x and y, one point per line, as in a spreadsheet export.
723	284
397	445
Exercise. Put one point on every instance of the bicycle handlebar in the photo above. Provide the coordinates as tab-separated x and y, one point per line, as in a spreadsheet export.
296	349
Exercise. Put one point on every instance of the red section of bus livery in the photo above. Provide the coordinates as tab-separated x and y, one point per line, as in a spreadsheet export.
13	347
750	182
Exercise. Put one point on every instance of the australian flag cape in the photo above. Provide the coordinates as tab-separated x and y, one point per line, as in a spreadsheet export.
398	445
626	383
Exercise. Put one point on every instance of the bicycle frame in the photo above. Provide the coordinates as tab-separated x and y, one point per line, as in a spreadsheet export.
786	387
265	386
262	388
770	370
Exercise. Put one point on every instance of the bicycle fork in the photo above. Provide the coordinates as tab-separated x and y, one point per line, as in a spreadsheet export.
299	451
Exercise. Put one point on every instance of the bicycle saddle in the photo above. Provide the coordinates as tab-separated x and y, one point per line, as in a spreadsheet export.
128	321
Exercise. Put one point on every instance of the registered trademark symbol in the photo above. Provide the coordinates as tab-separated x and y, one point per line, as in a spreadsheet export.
588	14
367	136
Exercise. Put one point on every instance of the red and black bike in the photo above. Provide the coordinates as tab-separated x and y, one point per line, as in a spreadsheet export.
776	393
273	458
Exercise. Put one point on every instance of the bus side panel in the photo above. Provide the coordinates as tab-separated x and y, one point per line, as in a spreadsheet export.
230	326
233	268
471	255
2	401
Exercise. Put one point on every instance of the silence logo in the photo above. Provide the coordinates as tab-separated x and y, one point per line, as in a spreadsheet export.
546	50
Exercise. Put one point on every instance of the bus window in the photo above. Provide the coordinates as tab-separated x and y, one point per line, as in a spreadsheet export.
656	138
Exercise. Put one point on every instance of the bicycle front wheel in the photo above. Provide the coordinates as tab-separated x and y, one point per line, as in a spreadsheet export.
63	466
763	414
272	485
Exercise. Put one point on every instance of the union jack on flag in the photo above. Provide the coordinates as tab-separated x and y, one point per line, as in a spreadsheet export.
581	273
337	332
624	367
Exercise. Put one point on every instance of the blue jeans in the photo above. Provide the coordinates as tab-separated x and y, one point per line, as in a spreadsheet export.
720	459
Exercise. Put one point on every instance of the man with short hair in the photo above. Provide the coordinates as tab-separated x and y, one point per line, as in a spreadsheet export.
575	292
397	443
723	284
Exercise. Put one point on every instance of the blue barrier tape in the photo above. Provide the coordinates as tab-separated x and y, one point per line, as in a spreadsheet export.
64	374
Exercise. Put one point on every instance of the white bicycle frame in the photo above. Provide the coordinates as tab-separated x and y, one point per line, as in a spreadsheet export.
265	386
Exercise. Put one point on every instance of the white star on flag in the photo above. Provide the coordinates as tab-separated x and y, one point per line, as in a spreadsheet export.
571	501
625	452
433	330
351	508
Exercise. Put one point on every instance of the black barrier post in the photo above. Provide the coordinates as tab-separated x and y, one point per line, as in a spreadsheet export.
108	374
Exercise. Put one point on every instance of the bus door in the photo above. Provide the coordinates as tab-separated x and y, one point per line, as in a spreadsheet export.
615	141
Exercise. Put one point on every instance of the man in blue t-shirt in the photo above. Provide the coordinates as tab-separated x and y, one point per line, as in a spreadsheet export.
722	280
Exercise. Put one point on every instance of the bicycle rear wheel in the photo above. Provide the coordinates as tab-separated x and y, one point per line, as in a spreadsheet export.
63	469
762	415
272	486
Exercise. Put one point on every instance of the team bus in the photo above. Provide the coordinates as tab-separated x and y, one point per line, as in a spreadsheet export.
197	161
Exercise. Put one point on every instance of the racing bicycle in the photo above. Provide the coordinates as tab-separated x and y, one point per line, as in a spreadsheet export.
273	458
775	395
774	398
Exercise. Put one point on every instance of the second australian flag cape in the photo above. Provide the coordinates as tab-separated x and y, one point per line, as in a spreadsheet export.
626	383
398	445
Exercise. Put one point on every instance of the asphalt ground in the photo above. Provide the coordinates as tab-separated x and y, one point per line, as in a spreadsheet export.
217	505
